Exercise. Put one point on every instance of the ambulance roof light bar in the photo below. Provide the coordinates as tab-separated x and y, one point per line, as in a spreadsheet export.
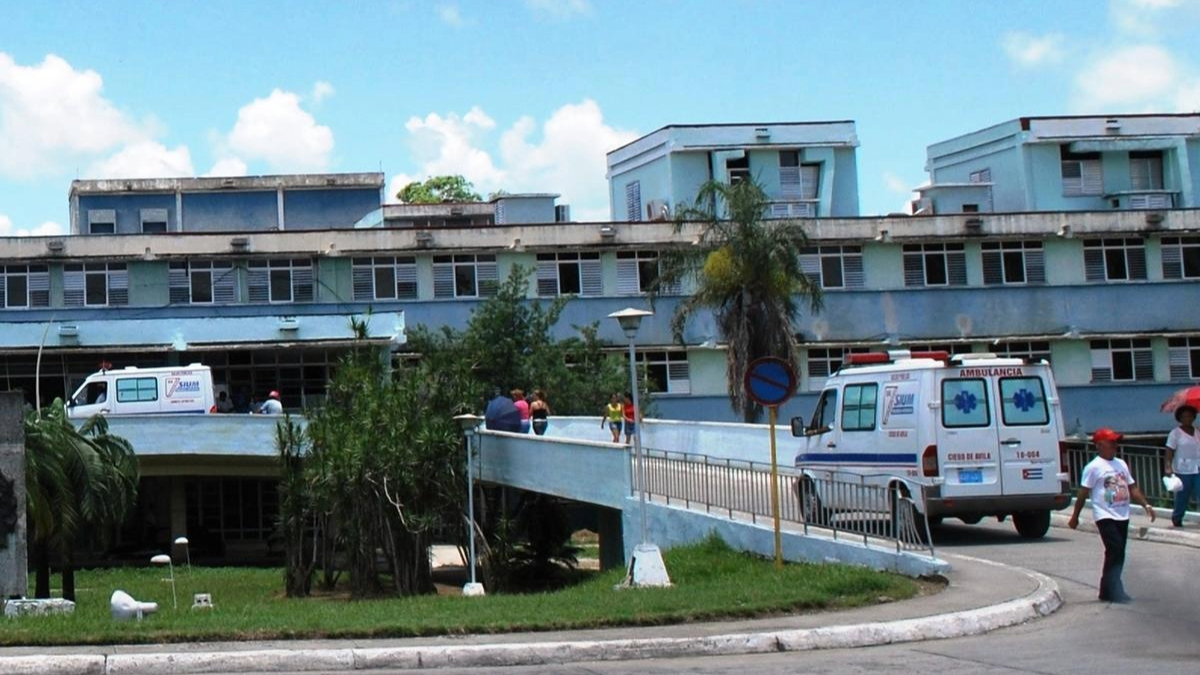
874	358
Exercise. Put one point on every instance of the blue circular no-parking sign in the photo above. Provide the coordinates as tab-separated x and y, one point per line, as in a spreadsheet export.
770	381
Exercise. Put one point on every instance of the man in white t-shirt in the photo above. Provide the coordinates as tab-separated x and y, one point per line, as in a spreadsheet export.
1108	482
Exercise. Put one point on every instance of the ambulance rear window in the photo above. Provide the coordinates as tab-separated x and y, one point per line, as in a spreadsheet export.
1023	401
965	403
137	389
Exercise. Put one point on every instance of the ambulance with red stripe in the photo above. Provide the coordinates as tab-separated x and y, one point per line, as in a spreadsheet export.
968	437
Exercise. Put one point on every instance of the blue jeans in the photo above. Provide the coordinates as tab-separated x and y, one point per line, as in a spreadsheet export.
1191	486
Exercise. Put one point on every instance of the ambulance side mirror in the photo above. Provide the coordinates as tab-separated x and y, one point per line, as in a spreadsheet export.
797	426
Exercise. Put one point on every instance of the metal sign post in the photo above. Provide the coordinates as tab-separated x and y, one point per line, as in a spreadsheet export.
770	381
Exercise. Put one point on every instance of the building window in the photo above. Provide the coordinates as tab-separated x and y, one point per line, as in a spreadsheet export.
95	285
825	361
202	282
1181	257
1146	170
738	170
102	221
948	347
232	509
833	266
970	208
25	286
385	278
796	180
633	201
666	371
637	271
464	276
935	265
1033	351
981	176
568	274
1122	360
1184	353
1114	259
1081	174
1013	262
280	281
154	220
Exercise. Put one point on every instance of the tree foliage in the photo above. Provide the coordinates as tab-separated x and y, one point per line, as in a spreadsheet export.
81	483
747	272
381	468
438	189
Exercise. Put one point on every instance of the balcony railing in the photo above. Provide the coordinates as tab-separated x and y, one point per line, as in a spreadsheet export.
1143	199
798	208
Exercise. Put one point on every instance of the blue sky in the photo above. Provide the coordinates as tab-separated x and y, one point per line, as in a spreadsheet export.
528	95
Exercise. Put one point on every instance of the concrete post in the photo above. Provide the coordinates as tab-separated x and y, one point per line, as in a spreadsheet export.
612	540
14	563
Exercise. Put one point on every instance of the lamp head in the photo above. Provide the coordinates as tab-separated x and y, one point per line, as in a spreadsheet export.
630	320
468	422
161	559
182	541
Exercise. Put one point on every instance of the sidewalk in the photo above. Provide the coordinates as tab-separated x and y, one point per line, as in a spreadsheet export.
1160	530
981	596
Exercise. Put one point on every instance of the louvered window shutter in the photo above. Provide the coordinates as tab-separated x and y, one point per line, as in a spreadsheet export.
258	282
488	276
852	268
1180	360
1135	257
993	270
633	201
39	288
118	286
810	179
790	185
592	277
1035	266
1101	364
627	277
956	268
678	379
914	269
1093	178
224	281
1172	259
810	265
547	274
406	278
1143	364
443	280
1093	263
4	293
302	284
73	287
180	288
363	277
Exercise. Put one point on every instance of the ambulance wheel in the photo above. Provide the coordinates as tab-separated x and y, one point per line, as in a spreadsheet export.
810	504
1032	524
973	519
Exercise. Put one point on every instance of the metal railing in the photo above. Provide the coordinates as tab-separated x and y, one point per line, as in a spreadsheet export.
1145	463
850	506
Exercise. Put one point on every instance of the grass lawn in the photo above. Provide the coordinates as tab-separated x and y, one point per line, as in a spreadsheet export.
711	581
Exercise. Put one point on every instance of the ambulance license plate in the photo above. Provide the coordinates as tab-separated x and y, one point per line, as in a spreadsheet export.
970	476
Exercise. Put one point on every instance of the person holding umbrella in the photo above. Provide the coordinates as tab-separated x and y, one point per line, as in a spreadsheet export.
1183	460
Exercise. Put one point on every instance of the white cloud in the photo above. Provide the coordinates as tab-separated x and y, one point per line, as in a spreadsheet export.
144	159
1155	4
1141	77
52	115
565	154
560	9
450	15
46	229
1027	50
321	90
227	166
277	130
894	183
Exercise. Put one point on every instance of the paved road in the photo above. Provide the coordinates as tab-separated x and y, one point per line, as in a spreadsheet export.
1158	634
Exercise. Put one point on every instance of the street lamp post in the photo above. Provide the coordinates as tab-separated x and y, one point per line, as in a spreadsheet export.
470	426
646	567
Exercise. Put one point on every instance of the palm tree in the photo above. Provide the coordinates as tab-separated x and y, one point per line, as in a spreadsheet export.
747	272
80	484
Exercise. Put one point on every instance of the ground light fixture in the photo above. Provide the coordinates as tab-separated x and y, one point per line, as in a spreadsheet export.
164	559
470	427
646	567
183	541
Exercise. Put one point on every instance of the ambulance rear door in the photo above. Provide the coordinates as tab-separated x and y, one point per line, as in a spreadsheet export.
1028	428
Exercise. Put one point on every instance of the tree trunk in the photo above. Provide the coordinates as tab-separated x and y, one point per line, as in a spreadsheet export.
42	574
68	577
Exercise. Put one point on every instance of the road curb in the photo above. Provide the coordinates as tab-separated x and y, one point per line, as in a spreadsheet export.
1043	600
1160	535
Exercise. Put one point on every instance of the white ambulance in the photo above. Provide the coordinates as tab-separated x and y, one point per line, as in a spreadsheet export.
144	391
968	436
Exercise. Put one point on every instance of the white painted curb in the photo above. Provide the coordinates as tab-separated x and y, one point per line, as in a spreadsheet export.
1161	535
1043	600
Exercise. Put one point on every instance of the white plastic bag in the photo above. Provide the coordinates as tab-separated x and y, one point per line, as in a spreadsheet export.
1172	483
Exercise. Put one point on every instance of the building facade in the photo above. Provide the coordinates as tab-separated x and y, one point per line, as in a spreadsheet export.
1084	163
807	169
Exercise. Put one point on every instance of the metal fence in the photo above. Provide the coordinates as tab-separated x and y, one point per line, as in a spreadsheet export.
1145	463
859	510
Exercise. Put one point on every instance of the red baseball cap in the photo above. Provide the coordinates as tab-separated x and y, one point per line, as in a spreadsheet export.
1106	434
273	394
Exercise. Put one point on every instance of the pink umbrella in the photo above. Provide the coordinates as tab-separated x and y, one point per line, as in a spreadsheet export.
1187	396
